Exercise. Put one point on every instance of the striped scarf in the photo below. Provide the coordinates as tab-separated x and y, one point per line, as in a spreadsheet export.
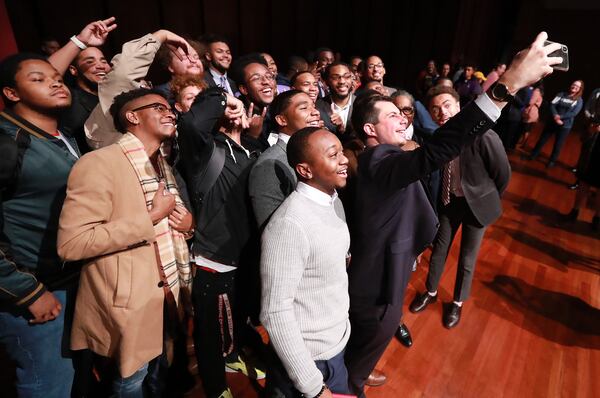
172	248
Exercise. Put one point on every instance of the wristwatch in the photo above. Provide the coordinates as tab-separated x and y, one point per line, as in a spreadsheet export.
499	92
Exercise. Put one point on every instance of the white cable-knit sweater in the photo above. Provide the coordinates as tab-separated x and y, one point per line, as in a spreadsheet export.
305	286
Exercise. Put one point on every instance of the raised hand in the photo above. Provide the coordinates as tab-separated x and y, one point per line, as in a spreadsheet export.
530	65
255	121
175	43
95	33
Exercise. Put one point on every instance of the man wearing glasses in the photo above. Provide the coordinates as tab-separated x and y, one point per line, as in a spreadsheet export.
338	77
258	88
124	218
373	69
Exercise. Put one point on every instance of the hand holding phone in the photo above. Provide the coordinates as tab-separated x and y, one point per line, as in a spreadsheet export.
562	52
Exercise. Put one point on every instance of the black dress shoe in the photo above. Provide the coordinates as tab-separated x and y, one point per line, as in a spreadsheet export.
403	335
452	315
573	187
421	301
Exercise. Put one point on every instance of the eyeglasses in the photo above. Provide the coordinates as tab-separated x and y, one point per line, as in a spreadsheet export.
157	106
347	76
375	66
268	77
407	110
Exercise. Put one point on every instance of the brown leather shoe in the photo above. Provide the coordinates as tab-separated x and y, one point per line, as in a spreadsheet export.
376	378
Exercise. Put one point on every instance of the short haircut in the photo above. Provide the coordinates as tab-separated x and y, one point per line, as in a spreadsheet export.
123	99
236	72
439	90
297	146
283	101
211	38
296	75
403	93
320	50
8	71
364	111
296	63
178	83
338	63
363	66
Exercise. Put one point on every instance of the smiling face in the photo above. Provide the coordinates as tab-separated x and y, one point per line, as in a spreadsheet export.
340	80
90	68
219	56
390	126
307	83
442	107
300	113
259	84
575	87
156	118
39	87
326	167
375	69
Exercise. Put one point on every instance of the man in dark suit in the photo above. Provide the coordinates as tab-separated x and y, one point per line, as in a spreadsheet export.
218	59
393	220
272	179
470	196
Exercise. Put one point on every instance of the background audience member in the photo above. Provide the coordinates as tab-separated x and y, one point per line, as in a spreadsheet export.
564	107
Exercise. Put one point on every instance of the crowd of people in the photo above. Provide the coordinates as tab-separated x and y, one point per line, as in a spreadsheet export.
136	213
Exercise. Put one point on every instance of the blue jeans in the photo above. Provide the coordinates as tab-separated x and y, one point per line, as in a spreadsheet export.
43	368
132	386
279	385
561	136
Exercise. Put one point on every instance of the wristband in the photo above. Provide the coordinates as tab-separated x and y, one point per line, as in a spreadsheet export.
78	42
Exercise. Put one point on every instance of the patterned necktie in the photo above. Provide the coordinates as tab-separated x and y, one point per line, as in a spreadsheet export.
446	178
223	84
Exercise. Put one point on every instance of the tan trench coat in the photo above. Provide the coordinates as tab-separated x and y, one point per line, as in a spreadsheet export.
104	221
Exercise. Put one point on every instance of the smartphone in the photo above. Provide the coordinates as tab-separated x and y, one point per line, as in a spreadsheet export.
562	52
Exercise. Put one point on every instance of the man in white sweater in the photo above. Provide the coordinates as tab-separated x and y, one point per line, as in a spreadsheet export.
303	273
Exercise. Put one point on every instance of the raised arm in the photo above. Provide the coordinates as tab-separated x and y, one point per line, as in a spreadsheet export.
93	34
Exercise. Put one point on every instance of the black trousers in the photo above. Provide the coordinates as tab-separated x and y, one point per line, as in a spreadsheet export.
211	326
373	326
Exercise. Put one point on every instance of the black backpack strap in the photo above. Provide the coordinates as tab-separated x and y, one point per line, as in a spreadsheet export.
207	179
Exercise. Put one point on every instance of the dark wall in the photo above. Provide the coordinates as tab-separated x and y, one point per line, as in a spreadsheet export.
405	33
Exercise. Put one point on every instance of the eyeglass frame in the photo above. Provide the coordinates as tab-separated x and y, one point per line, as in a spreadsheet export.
407	110
373	66
156	106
